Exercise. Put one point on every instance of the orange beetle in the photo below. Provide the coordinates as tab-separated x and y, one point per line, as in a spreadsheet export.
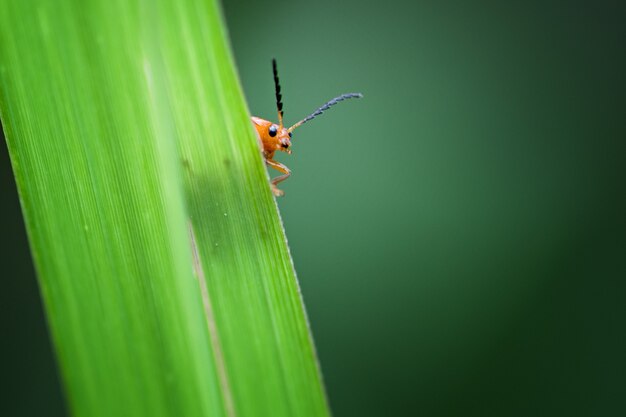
278	138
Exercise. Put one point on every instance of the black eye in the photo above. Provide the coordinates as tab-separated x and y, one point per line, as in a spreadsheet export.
273	130
289	134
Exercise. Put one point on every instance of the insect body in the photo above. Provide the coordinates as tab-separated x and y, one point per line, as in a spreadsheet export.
276	137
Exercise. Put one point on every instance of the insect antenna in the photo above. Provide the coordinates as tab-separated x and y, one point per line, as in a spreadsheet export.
325	107
279	97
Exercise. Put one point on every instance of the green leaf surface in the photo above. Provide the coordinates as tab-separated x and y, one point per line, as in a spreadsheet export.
161	258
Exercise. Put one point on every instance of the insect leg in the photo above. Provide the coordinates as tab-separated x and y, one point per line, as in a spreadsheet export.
279	167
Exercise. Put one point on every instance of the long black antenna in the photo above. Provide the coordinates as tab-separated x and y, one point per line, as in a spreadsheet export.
325	107
279	97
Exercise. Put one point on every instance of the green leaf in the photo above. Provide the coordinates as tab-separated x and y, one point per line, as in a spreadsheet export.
160	254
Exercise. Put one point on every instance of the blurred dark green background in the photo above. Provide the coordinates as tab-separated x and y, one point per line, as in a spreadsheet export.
459	233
